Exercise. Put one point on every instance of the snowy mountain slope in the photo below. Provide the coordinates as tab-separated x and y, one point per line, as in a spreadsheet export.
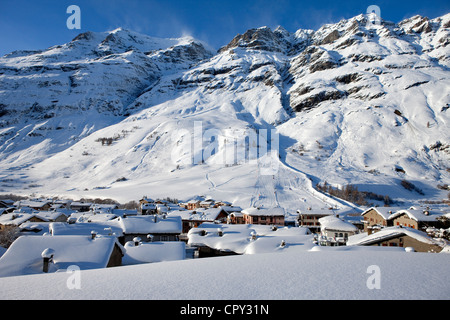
71	90
348	103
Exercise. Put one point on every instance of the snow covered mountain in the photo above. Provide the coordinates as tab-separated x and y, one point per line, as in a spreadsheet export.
118	115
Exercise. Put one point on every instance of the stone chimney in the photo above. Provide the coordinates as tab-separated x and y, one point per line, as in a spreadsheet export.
47	256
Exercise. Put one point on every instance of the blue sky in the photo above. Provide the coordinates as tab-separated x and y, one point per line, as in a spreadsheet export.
42	23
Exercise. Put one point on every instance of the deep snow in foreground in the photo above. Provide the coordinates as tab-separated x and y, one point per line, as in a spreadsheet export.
323	273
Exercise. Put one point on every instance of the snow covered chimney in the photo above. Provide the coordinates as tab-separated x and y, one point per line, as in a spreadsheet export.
283	243
47	256
220	232
136	241
93	234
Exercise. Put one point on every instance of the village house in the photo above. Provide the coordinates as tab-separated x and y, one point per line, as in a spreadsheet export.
235	215
6	203
222	204
378	217
335	231
193	204
103	208
52	216
264	216
193	218
148	208
80	206
398	236
416	219
39	205
310	219
150	228
235	218
26	255
17	217
208	203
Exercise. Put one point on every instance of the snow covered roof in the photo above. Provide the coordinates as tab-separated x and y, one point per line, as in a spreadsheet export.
148	252
90	216
389	232
418	215
24	255
238	237
276	211
17	218
385	212
200	214
148	206
101	228
50	215
231	209
152	224
334	223
80	204
32	203
38	228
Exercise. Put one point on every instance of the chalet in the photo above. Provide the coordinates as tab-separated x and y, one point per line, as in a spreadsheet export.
335	231
80	206
398	236
193	218
162	208
146	200
223	204
52	216
148	208
264	216
310	219
39	205
26	255
61	203
103	208
5	203
16	218
193	204
207	203
235	218
416	219
378	217
151	228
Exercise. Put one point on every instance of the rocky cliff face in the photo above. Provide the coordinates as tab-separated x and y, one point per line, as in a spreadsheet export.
352	102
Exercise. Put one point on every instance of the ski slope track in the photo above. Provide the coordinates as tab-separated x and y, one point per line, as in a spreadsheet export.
117	115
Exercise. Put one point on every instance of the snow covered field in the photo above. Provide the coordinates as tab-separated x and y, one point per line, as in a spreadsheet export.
324	273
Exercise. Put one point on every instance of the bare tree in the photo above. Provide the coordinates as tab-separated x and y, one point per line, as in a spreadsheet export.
8	235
